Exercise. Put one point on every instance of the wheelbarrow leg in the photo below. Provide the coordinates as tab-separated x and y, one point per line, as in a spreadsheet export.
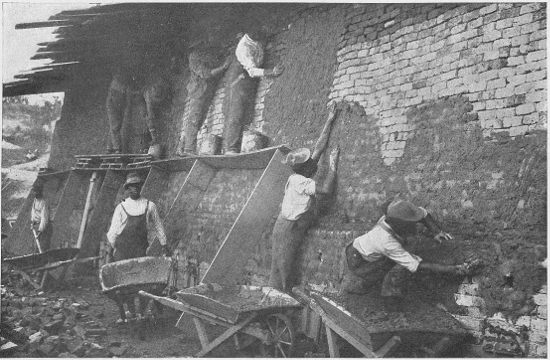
226	335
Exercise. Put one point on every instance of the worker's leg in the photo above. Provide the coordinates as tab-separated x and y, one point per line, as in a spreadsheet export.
45	237
242	93
362	276
153	96
281	231
395	281
193	124
116	106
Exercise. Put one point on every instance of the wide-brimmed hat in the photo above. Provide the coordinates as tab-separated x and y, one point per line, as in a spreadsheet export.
298	156
406	211
133	178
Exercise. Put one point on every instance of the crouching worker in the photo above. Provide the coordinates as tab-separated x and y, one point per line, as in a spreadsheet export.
135	224
298	211
379	256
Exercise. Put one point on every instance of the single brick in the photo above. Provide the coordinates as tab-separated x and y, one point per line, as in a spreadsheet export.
523	19
491	55
512	121
502	24
517	60
528	8
488	9
468	289
520	40
530	119
518	130
525	109
542	311
537	55
540	299
539	324
523	321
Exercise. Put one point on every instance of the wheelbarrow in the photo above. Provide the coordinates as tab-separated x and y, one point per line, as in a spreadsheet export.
47	263
125	278
249	313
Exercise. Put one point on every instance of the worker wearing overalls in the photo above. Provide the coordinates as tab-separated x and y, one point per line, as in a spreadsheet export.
135	224
379	256
298	209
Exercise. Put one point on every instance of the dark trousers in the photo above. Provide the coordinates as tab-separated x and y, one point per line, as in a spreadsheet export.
241	93
197	113
364	276
45	236
117	102
286	239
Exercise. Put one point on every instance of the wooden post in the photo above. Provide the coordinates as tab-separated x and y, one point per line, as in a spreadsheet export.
332	345
87	208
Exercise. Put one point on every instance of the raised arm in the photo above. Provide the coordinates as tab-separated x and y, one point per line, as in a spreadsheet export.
327	187
322	142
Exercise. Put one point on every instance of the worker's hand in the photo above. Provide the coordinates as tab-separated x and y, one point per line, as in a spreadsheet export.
333	159
442	236
277	70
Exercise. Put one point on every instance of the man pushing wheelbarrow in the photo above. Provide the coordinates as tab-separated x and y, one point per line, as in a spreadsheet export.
135	224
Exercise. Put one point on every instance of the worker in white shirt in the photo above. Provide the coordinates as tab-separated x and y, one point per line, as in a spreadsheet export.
135	221
245	69
40	217
135	224
298	209
379	256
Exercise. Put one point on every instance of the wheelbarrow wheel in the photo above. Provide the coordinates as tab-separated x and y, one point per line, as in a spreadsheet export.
282	336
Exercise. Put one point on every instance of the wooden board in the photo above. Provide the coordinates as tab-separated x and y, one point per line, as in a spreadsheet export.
100	216
252	160
262	205
69	211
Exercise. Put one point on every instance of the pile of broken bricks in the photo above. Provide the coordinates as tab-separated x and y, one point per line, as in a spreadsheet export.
33	325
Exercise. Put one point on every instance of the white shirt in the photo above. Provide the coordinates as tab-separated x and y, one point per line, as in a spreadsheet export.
155	229
298	196
379	242
40	213
250	54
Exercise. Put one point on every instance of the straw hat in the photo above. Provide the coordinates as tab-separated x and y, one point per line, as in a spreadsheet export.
133	178
298	156
406	211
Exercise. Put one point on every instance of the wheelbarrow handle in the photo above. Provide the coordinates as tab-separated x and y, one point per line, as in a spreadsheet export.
37	241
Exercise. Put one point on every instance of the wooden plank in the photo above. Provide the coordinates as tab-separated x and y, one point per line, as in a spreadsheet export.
332	345
262	205
101	214
226	335
41	24
388	346
361	343
21	240
201	331
68	212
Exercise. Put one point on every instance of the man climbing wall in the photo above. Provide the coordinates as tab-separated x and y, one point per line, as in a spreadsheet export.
298	210
205	69
241	86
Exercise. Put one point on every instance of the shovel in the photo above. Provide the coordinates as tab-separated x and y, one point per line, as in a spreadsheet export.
36	241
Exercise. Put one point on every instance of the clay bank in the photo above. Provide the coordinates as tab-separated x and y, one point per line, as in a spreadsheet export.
442	105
